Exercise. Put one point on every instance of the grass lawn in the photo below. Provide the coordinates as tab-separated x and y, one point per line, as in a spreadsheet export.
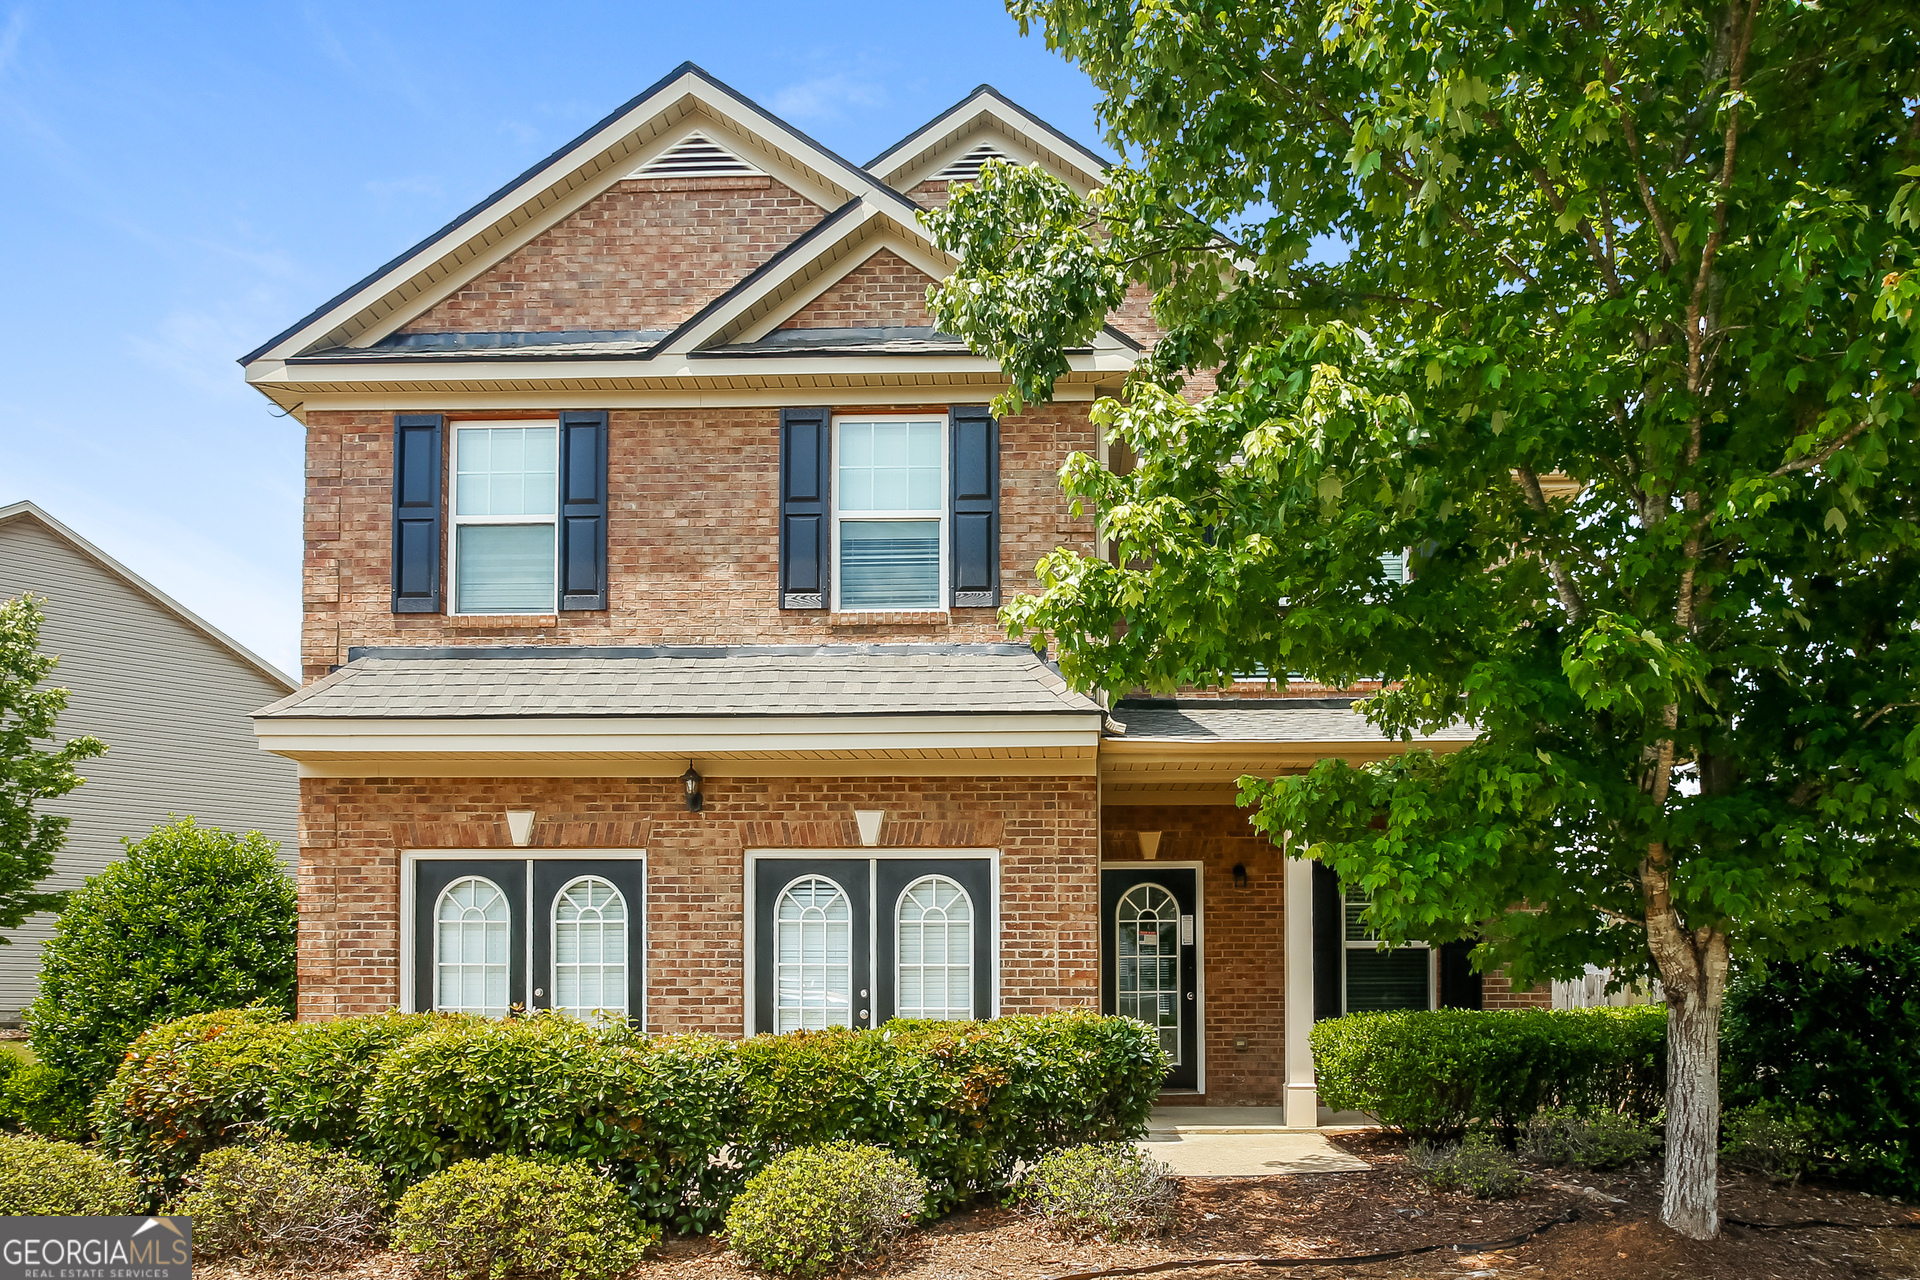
18	1048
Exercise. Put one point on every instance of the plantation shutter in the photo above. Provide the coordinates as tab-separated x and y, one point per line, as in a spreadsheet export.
417	477
976	508
1329	940
583	509
805	456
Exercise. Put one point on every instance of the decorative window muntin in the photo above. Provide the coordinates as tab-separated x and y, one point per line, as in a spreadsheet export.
812	956
590	925
1147	962
472	948
506	493
934	951
890	508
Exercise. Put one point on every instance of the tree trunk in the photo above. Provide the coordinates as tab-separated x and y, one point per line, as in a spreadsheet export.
1690	1202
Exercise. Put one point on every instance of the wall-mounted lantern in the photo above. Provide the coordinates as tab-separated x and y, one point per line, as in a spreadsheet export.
690	780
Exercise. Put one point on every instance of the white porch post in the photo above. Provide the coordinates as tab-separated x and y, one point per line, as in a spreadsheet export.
1303	1102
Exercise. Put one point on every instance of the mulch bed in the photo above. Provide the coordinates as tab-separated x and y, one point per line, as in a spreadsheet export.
1386	1208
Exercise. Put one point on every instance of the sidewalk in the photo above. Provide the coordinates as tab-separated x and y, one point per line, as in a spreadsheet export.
1240	1142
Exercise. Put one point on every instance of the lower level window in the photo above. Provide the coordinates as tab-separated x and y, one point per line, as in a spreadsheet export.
590	950
1377	979
813	949
1147	951
472	948
935	928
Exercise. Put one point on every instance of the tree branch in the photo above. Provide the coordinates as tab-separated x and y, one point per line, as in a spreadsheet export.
1563	583
1813	460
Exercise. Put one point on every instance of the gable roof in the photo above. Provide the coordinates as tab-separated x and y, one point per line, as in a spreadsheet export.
30	512
986	116
608	151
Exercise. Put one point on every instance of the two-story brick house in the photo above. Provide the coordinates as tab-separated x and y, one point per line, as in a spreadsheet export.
654	542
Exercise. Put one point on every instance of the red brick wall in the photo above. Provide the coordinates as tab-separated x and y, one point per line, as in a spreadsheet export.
353	832
1497	992
886	289
645	254
693	540
1244	938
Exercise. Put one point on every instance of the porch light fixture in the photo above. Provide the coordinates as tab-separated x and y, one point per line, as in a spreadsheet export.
1149	845
691	781
520	827
1239	875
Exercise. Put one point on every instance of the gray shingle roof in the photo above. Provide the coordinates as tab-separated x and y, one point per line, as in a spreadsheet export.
769	680
1257	720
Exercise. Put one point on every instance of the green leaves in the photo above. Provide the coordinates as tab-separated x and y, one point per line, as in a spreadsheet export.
29	772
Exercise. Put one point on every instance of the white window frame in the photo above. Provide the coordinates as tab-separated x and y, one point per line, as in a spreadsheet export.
944	598
553	932
872	857
409	878
1374	944
900	902
455	521
505	966
840	892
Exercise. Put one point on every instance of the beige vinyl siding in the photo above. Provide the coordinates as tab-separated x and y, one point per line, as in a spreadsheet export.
171	702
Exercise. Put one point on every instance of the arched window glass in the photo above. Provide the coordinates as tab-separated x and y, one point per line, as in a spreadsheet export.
471	945
812	956
934	926
1147	951
590	950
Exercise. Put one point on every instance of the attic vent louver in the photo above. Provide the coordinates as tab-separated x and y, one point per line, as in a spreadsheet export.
967	167
695	157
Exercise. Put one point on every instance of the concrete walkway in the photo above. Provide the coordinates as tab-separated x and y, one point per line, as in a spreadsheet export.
1240	1142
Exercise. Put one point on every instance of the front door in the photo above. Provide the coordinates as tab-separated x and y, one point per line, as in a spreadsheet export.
1149	943
495	934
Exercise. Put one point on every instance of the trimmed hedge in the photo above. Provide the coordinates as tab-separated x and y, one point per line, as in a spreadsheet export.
821	1209
510	1216
1432	1074
39	1177
964	1103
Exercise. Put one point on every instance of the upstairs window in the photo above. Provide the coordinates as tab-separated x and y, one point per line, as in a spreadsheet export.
889	497
505	500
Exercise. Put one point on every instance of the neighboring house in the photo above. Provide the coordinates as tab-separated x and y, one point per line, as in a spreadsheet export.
168	694
654	545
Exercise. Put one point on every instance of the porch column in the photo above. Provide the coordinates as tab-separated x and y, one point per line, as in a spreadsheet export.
1303	1102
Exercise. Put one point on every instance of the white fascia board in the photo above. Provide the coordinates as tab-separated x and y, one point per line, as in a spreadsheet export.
912	389
917	251
298	737
1014	121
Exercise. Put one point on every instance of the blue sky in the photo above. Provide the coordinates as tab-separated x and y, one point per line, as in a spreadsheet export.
182	181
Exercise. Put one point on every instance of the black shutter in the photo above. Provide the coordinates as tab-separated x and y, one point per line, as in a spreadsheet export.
1329	940
583	509
976	508
805	456
417	472
1460	986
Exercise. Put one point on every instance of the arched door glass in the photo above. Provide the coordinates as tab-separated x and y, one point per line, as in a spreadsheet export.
813	953
471	948
934	926
1147	953
590	950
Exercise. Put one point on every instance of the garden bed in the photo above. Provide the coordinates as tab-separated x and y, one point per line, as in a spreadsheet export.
1354	1213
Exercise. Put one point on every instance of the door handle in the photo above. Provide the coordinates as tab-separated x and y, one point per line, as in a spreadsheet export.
1189	995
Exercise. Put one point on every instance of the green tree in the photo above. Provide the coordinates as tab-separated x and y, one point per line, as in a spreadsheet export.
192	920
30	773
1663	249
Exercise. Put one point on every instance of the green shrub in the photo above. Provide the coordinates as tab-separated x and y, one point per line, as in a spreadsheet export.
1110	1189
283	1200
192	920
1588	1140
654	1111
1770	1139
39	1177
820	1208
1479	1165
508	1215
41	1099
318	1089
1432	1074
187	1087
1844	1042
963	1102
